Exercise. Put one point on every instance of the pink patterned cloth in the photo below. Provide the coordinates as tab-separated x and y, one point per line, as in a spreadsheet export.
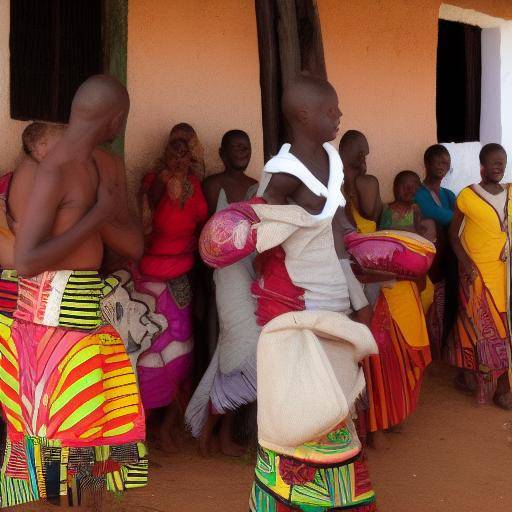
404	254
164	370
228	236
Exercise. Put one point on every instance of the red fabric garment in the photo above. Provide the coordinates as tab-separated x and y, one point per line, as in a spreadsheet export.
173	242
274	290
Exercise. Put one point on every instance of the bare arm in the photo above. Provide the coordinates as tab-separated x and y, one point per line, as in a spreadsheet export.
123	233
34	250
368	197
211	191
280	188
458	248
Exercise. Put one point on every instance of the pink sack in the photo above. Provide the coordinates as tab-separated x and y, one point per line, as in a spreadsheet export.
229	235
401	253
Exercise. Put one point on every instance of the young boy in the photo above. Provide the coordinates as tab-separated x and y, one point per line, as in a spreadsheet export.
298	234
73	407
230	381
479	234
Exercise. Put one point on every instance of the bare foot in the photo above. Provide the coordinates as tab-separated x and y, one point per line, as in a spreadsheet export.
231	449
227	445
465	383
205	439
504	400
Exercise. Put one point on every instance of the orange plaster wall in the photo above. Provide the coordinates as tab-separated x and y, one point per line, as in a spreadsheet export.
381	57
191	61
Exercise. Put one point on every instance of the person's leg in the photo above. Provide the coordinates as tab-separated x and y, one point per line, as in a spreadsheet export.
227	445
503	395
206	437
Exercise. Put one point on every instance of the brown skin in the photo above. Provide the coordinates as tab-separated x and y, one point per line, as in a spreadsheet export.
361	189
78	199
23	179
405	191
235	156
492	171
436	169
314	118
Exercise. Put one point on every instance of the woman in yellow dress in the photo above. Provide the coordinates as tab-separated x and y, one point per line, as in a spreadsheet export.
479	234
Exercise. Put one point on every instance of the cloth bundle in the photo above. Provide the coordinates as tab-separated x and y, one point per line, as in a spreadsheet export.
405	255
228	236
308	376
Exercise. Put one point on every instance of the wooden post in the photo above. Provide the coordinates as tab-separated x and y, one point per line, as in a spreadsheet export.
269	76
289	41
115	41
310	35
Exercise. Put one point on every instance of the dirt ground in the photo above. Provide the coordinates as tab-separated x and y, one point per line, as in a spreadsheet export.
451	456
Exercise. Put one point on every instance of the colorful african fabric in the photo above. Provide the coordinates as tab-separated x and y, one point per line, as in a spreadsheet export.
480	341
435	315
75	423
394	377
164	369
284	483
400	253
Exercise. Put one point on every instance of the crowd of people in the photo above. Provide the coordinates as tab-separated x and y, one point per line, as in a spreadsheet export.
305	312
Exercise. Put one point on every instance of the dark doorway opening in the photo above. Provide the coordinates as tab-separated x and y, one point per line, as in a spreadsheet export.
459	77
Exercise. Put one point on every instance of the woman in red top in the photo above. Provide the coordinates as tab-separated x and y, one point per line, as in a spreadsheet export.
179	210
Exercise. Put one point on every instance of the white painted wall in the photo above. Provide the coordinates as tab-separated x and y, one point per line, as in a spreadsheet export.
490	119
496	113
506	92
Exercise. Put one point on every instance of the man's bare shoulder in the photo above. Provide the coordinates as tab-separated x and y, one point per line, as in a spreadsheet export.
213	183
366	180
26	168
281	187
284	182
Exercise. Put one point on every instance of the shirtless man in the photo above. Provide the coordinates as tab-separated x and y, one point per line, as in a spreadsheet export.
77	203
361	190
235	153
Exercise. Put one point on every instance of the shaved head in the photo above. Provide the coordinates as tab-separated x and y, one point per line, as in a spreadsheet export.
350	138
353	151
310	104
101	102
100	96
304	92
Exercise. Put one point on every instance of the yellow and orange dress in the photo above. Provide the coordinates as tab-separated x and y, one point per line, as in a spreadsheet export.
394	377
480	340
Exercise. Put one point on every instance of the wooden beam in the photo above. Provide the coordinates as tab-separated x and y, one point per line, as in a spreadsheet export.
269	76
310	38
115	47
289	44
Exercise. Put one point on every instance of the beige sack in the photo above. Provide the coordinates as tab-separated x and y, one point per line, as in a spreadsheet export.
308	375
